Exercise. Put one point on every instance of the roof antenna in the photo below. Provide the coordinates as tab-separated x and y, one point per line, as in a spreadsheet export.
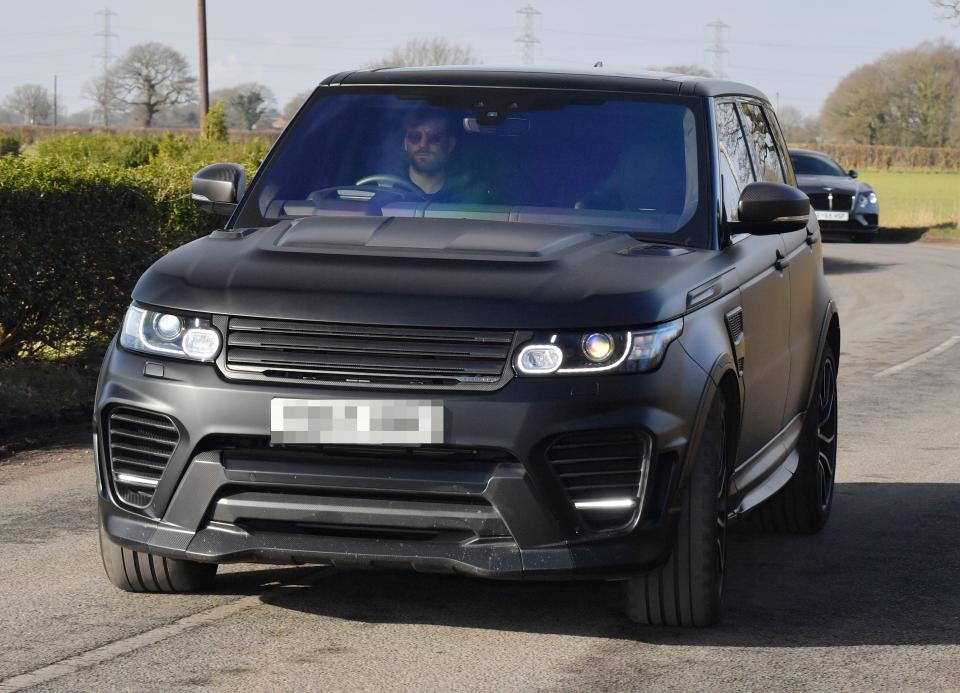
599	63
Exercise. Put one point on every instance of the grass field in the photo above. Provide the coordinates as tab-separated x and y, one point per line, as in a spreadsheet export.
917	200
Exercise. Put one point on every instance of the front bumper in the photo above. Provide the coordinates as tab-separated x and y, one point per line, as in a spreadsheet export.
865	223
499	511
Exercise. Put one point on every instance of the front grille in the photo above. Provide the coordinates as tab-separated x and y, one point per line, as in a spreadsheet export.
842	202
601	466
140	444
366	356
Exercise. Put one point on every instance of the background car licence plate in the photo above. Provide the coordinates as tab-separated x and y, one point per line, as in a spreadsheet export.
832	216
355	421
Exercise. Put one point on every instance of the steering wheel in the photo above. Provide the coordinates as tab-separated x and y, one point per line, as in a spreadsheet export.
385	180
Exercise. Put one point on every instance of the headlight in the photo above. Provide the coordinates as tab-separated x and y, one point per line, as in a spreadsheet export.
580	353
169	334
866	199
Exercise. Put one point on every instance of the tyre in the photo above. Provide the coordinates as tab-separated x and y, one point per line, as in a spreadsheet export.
688	589
135	571
803	505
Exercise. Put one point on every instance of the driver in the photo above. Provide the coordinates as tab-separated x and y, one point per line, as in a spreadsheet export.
427	145
428	141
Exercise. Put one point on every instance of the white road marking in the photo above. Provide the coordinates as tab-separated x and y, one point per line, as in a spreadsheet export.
117	648
919	359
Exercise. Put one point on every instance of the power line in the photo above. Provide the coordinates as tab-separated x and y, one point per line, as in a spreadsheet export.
527	39
718	48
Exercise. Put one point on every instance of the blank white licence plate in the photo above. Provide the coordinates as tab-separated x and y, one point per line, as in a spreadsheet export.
356	421
823	215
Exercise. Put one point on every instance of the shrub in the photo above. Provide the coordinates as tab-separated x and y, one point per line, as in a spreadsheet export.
119	150
215	123
44	393
9	145
75	235
73	241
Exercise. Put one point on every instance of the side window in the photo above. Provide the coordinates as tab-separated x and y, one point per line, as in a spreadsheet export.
731	141
734	159
782	149
731	190
762	145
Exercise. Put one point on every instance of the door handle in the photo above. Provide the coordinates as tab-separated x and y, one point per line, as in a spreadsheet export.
782	262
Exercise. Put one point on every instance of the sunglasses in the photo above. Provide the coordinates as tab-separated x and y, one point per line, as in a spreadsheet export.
415	137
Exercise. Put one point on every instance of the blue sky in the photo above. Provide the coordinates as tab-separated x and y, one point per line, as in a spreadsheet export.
798	51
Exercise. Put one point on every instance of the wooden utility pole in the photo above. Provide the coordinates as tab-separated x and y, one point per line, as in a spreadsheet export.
54	101
204	94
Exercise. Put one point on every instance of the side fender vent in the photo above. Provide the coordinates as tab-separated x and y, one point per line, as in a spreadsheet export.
734	320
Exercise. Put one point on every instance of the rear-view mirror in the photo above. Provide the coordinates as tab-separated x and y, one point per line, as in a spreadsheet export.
853	173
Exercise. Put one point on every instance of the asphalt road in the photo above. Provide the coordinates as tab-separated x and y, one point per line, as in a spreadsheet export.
872	603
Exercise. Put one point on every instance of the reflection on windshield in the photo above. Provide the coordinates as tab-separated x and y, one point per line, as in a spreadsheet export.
627	165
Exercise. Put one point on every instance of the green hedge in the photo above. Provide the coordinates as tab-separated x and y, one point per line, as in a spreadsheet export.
890	158
75	236
9	145
119	150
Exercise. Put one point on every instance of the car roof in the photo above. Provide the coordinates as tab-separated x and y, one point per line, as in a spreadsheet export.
809	152
548	78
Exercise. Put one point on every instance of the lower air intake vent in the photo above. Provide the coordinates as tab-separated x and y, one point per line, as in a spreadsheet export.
603	473
140	444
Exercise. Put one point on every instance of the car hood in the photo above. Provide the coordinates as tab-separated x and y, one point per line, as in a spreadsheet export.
430	272
836	183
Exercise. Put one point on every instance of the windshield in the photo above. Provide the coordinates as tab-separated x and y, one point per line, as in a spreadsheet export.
496	155
804	165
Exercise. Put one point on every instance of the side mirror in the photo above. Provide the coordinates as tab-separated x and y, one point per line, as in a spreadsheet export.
770	208
218	187
853	173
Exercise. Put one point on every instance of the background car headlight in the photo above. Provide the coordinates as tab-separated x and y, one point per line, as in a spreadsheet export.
579	353
169	334
866	199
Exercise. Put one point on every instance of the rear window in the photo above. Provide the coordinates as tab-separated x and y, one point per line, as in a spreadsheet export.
624	164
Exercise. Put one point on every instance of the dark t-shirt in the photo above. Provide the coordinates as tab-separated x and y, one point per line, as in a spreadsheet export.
457	189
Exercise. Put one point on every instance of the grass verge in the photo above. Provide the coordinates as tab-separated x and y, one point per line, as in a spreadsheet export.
918	200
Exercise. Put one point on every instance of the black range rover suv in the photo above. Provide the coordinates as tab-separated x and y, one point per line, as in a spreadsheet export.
506	323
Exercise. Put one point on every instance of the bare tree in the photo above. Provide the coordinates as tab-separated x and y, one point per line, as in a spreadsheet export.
798	128
108	107
31	101
432	51
951	9
152	77
246	104
294	104
692	70
8	116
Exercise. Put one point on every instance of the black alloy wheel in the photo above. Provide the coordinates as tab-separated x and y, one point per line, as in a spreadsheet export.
826	432
803	505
